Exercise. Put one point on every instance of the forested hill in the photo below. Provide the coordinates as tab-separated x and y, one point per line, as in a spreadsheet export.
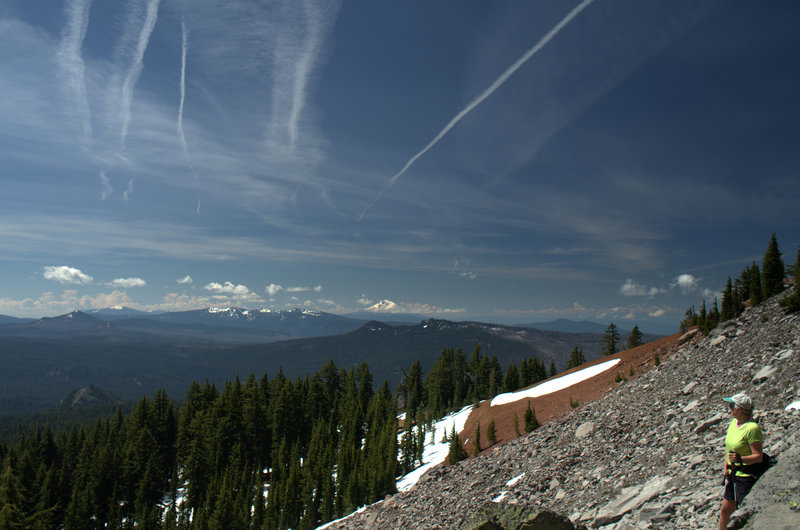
272	453
38	373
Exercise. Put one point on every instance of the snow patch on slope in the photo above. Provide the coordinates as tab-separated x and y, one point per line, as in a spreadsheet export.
554	385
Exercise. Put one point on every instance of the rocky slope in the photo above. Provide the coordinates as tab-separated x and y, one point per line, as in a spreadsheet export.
648	454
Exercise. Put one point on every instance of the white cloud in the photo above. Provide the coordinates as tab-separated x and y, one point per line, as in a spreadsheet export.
180	302
273	289
686	283
230	292
228	288
364	300
64	274
49	304
657	313
463	263
316	288
709	294
103	300
128	282
185	279
631	288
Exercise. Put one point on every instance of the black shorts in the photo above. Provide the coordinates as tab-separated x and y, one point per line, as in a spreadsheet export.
737	488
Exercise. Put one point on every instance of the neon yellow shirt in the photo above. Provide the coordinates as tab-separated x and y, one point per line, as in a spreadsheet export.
738	440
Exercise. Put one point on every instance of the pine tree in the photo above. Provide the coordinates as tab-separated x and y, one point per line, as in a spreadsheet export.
478	367
12	498
531	422
415	390
728	310
516	425
459	378
755	287
772	269
635	338
702	319
491	433
439	382
456	452
476	445
714	315
539	371
575	358
552	371
792	302
511	380
690	319
610	340
495	377
408	447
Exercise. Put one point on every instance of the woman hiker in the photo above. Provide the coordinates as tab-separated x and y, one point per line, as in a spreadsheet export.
743	448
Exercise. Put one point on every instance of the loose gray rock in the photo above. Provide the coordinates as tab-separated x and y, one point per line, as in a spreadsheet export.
584	430
764	374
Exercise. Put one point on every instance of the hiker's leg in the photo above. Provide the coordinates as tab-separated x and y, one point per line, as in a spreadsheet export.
728	507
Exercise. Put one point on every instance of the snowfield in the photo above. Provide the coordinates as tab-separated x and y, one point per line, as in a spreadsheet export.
560	383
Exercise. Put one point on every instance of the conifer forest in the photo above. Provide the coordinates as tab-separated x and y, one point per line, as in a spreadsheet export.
266	453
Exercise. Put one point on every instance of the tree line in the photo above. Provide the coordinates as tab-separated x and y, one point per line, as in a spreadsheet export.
753	285
453	382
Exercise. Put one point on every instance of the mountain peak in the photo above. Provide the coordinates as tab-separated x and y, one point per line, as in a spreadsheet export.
384	306
89	396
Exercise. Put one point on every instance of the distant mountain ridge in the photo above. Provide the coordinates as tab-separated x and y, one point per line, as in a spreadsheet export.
14	320
228	325
46	359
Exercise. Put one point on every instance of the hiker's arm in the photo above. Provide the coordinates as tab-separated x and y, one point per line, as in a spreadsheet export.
756	455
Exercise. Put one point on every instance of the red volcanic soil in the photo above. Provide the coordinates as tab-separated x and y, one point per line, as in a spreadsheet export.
557	404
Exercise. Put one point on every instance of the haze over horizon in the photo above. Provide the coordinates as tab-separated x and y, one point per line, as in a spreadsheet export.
522	162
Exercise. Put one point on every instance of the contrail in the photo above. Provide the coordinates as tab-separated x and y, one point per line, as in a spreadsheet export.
181	134
71	62
480	99
106	185
136	67
303	69
128	191
301	29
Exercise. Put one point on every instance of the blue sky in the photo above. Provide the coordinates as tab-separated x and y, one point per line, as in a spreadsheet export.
508	161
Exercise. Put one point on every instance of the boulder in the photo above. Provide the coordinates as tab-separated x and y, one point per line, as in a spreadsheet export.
584	430
630	499
764	374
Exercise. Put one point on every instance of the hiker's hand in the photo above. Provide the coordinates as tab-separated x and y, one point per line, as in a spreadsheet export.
734	458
